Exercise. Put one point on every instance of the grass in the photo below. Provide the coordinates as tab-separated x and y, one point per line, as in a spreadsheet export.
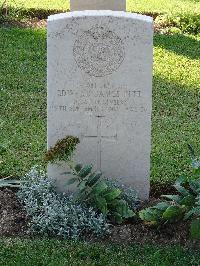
55	252
22	99
40	5
181	15
176	120
176	109
163	6
176	96
154	6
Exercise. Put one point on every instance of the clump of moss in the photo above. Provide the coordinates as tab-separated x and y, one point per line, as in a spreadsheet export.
62	150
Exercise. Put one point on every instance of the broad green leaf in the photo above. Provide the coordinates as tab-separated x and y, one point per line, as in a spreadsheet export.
183	191
78	167
122	208
129	214
114	202
142	214
82	185
194	185
110	196
188	214
93	179
197	173
100	188
162	206
90	178
150	215
118	219
172	212
86	170
198	200
195	229
175	198
101	204
188	200
194	211
181	180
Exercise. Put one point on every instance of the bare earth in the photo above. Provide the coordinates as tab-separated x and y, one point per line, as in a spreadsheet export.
13	222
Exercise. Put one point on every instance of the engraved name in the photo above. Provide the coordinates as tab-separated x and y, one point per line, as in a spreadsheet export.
106	97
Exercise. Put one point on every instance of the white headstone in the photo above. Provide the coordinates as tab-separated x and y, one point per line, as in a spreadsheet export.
115	5
100	89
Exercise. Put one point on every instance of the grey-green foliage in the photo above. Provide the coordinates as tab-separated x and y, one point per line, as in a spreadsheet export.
57	214
184	205
5	182
94	190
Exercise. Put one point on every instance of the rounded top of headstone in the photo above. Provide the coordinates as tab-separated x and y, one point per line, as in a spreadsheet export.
100	13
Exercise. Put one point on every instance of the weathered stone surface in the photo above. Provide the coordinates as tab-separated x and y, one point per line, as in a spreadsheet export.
100	89
115	5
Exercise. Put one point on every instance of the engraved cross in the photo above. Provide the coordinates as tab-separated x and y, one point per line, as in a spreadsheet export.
99	137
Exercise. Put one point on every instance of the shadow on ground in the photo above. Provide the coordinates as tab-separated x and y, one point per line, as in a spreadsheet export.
40	13
23	99
179	44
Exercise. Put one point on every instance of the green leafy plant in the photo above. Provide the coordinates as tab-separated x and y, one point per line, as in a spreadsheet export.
184	205
161	213
9	11
185	22
95	191
127	193
91	187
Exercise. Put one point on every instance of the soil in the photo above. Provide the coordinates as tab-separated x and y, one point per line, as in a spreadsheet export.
14	222
135	231
26	23
157	190
139	233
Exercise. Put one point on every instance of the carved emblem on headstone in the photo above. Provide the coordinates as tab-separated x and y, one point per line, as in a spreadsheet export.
99	51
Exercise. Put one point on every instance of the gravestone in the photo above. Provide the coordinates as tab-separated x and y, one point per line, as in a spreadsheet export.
115	5
100	89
